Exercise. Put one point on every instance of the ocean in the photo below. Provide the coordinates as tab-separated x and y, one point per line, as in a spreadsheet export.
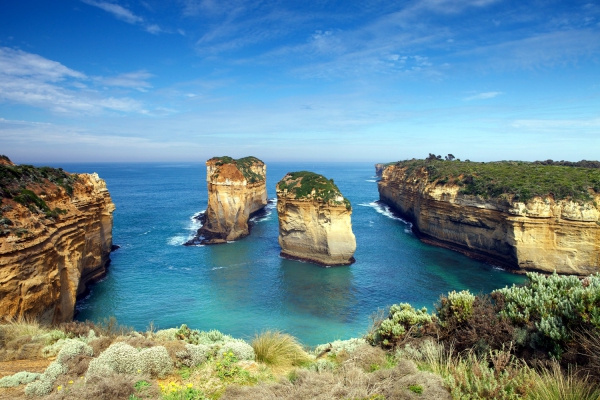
245	287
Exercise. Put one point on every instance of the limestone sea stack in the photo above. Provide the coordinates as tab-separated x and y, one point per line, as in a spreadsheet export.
55	238
524	216
236	190
314	220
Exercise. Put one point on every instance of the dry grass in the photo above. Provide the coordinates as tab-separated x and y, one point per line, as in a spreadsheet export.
22	326
553	384
276	348
117	386
349	382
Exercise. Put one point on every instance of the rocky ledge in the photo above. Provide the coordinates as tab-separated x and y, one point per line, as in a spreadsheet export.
490	211
236	190
314	220
55	237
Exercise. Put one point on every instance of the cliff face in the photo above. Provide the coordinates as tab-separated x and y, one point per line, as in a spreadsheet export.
236	190
52	243
379	169
542	234
314	220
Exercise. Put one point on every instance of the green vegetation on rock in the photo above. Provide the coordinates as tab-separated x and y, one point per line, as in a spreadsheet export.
518	179
302	183
244	165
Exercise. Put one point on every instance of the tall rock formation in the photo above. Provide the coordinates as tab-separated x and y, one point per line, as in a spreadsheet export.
314	220
236	190
55	237
379	169
540	233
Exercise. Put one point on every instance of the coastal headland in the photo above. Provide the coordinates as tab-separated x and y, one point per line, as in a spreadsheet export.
524	216
56	237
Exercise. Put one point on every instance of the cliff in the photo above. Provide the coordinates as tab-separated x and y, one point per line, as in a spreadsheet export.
497	213
236	190
55	237
379	169
314	220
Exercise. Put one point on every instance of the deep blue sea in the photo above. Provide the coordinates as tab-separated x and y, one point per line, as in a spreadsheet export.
244	287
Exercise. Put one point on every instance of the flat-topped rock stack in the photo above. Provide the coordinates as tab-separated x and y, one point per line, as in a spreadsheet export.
314	220
236	190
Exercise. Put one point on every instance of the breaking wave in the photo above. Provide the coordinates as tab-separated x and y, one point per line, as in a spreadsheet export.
385	210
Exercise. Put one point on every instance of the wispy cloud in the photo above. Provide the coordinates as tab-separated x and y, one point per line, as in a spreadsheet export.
136	80
483	96
33	80
125	15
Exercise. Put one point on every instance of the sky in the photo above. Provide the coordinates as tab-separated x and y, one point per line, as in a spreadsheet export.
311	80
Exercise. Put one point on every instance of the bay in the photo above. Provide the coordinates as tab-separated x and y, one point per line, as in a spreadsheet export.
245	287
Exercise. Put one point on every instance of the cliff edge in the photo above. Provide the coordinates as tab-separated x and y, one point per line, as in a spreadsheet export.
314	220
236	190
55	237
524	216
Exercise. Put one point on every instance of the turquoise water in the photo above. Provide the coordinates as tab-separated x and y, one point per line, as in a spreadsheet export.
245	287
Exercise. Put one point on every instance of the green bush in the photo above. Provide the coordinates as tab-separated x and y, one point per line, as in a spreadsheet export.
458	305
301	184
402	318
555	305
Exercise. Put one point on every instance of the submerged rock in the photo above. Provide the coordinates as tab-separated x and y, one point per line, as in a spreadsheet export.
236	191
314	220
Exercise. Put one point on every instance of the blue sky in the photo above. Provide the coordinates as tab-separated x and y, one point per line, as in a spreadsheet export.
370	80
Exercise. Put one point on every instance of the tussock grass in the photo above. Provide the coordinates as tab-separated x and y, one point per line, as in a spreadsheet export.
18	327
553	384
276	348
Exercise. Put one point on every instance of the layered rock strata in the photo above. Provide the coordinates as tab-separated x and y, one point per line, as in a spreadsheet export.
314	220
56	237
379	169
236	190
541	234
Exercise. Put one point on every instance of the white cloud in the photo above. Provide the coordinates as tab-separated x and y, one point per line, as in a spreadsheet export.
136	80
124	14
33	80
483	96
118	11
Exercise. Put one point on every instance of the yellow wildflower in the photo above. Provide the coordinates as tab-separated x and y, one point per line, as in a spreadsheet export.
59	388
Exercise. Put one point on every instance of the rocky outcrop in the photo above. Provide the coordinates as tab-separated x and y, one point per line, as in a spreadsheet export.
236	190
379	169
541	234
56	236
314	220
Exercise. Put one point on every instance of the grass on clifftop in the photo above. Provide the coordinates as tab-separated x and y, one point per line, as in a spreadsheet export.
302	183
524	180
244	165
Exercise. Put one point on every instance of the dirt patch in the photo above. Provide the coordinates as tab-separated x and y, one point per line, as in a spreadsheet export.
12	367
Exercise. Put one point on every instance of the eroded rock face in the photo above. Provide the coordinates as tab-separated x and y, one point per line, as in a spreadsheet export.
50	249
314	220
379	169
539	235
236	190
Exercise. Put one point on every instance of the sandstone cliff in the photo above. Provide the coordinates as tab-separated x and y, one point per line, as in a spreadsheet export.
539	233
314	220
55	237
236	190
379	169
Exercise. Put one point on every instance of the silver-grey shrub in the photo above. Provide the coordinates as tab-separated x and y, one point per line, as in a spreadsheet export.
241	350
194	354
340	345
123	358
18	379
43	385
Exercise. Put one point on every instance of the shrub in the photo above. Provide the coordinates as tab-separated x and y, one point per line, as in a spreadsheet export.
458	306
175	391
73	348
555	305
124	359
241	350
43	385
278	349
193	354
338	346
402	318
18	379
